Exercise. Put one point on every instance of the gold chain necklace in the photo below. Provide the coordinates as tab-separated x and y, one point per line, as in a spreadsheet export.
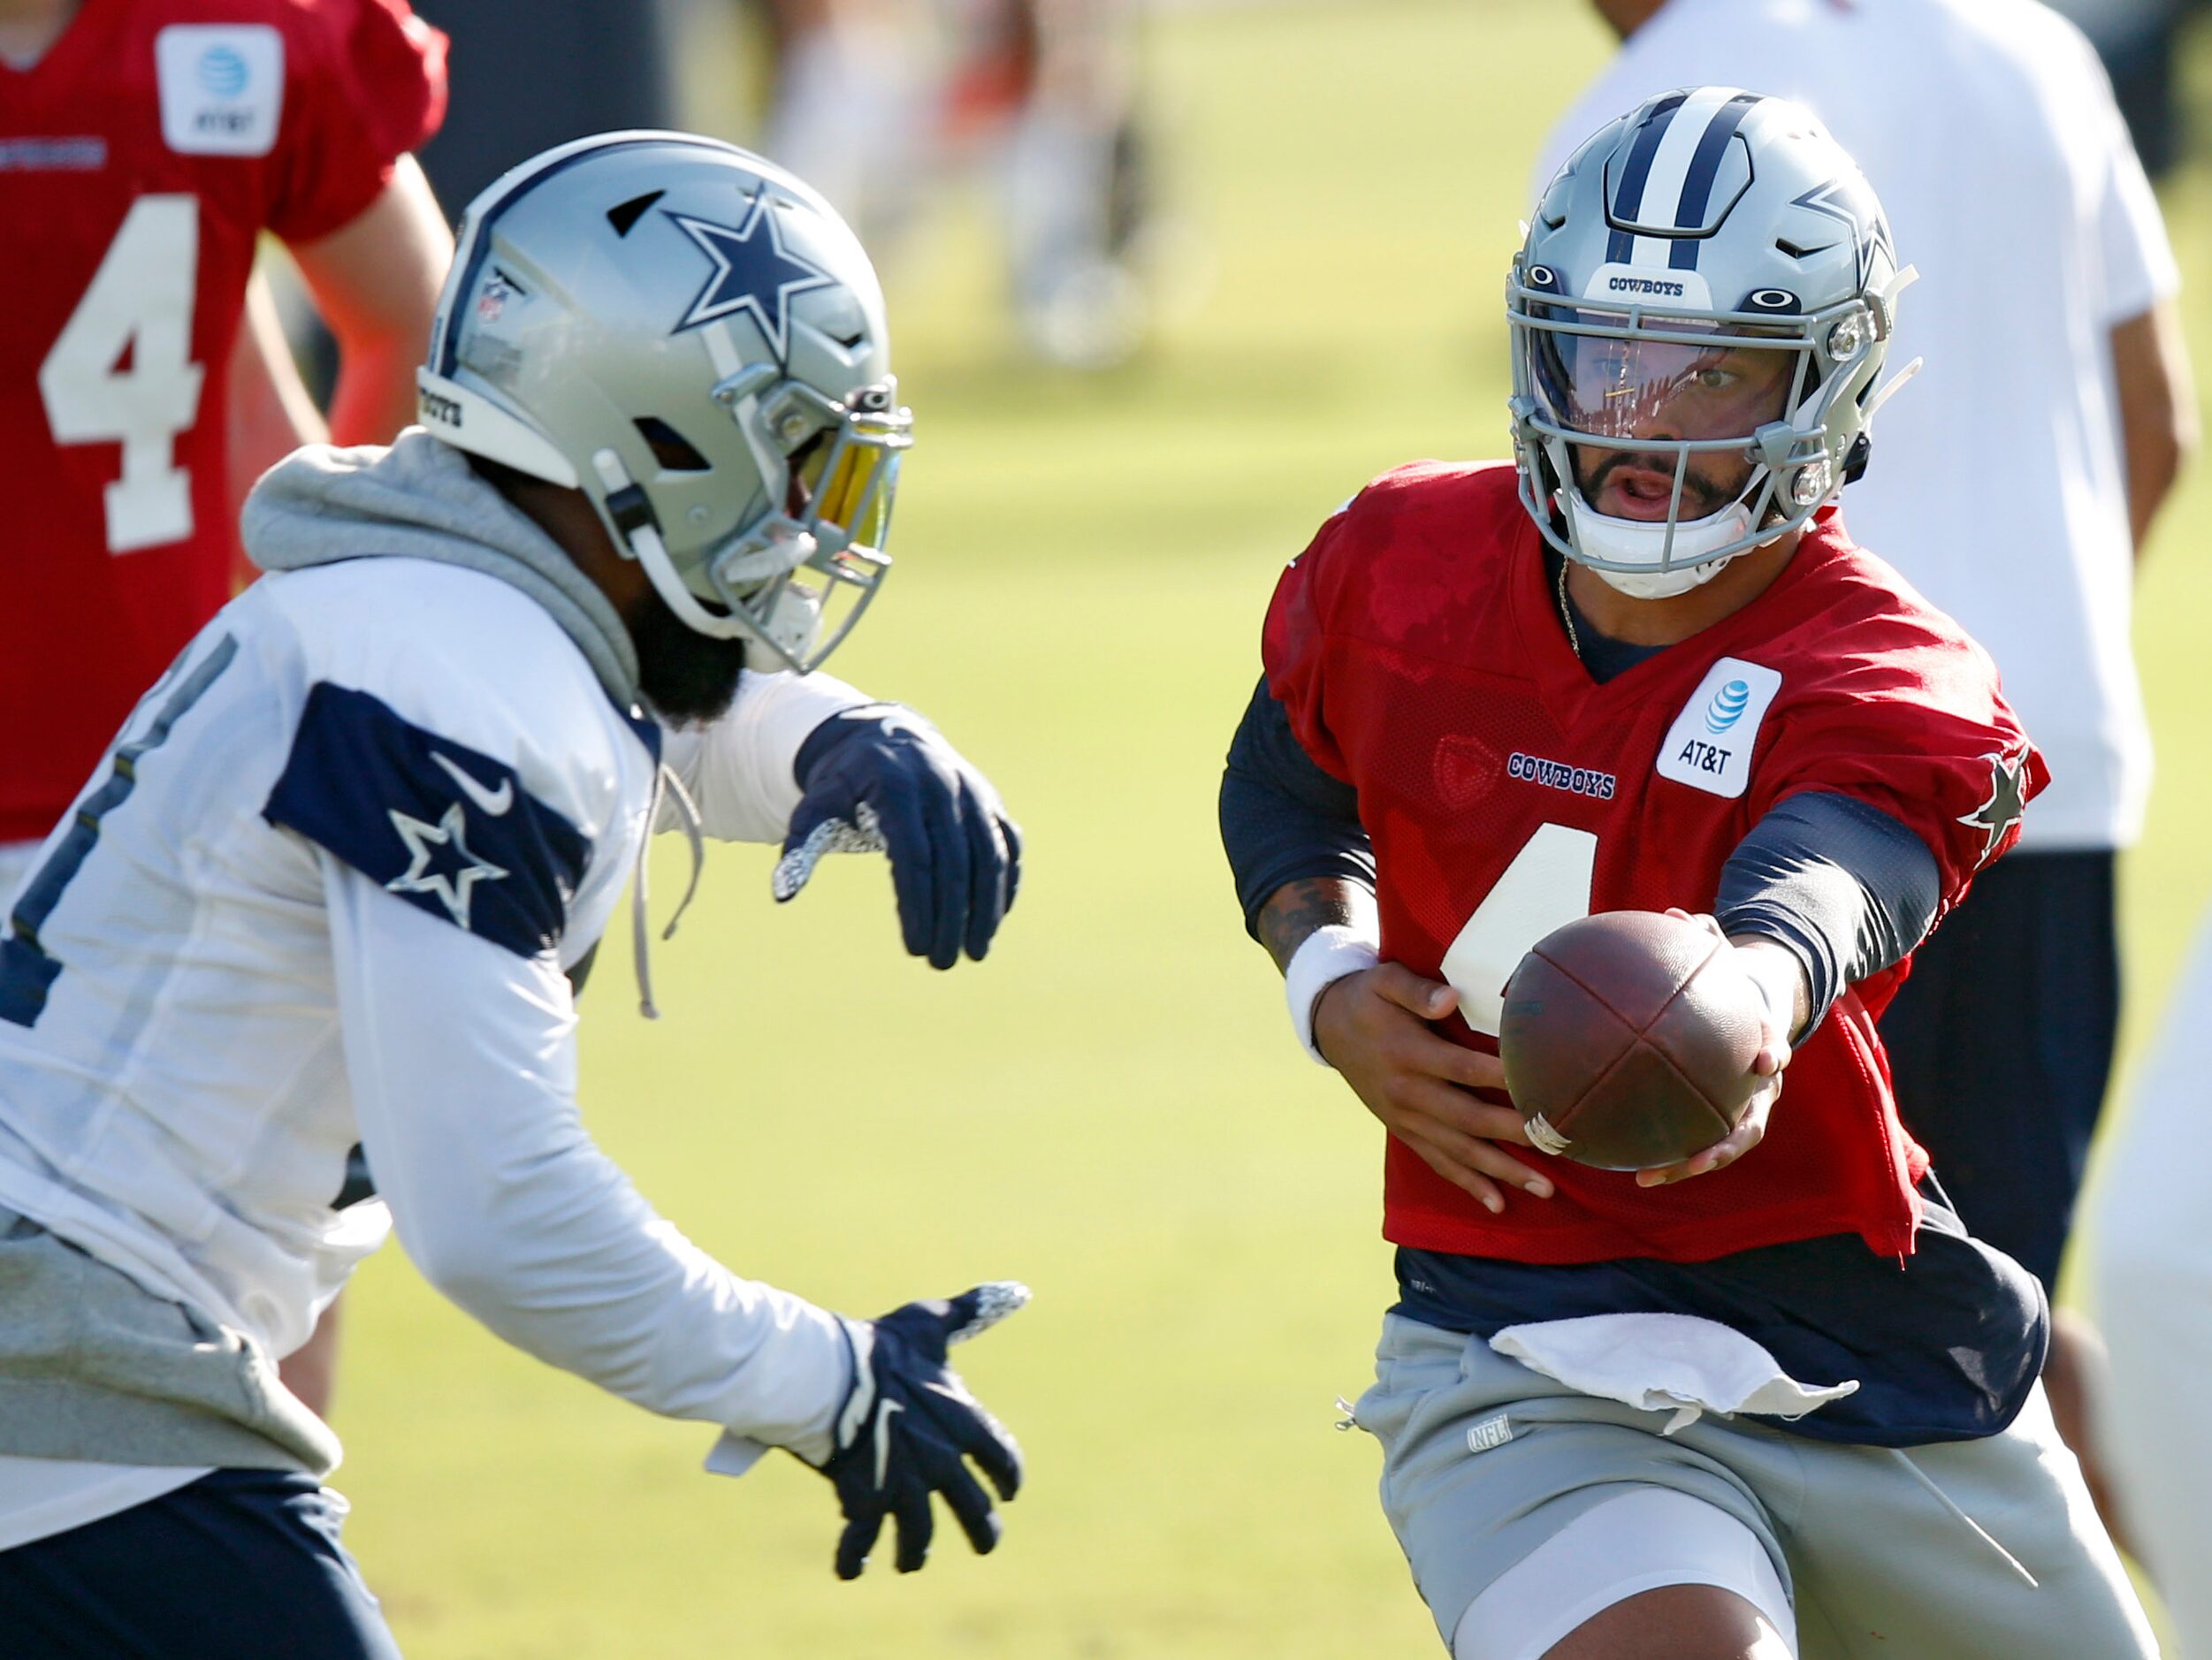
1567	615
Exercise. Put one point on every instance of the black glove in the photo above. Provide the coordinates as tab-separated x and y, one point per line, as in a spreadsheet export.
879	778
909	1424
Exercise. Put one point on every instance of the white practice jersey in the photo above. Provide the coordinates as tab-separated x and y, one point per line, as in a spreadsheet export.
1997	485
324	891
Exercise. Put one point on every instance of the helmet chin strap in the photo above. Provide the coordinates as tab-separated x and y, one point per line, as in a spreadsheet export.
640	537
1642	544
645	546
792	626
1662	584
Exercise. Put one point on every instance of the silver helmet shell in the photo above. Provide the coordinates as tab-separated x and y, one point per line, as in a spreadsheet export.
696	340
1706	220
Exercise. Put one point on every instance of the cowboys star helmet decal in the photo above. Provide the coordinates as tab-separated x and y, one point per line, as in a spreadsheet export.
1850	200
2008	799
753	272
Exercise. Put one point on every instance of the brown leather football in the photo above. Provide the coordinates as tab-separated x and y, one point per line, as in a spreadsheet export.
1627	1040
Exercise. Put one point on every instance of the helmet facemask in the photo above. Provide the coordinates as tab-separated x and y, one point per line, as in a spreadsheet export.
795	579
1680	397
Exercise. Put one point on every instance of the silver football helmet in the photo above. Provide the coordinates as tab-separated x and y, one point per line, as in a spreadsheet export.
1709	284
695	340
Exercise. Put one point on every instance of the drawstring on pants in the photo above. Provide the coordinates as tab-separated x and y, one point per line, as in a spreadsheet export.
1950	1504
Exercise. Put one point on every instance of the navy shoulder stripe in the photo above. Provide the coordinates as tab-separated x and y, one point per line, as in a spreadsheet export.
443	826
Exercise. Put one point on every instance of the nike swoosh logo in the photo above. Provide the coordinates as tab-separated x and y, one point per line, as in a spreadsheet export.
494	802
883	1441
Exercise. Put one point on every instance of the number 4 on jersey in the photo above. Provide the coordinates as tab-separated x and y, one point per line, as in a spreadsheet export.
140	305
1546	886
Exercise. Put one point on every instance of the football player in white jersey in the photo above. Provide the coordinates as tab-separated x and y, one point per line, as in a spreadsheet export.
337	880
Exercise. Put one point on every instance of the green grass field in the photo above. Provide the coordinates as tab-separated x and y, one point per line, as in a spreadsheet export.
1110	1107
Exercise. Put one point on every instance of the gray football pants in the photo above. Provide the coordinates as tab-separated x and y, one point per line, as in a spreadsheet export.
1484	1460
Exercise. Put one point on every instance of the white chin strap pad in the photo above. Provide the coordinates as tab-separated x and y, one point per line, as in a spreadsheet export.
1635	548
1662	584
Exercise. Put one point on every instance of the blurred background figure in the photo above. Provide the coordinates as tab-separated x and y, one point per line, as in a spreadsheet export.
2139	40
529	74
848	101
2014	485
526	75
142	153
877	99
2151	1278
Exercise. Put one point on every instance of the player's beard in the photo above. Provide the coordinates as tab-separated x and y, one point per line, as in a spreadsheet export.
684	674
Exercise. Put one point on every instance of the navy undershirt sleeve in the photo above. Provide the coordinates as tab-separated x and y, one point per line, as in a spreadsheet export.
1282	819
1848	888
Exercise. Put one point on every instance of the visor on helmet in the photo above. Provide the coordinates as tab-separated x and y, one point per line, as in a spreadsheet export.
842	487
798	581
1674	405
1699	385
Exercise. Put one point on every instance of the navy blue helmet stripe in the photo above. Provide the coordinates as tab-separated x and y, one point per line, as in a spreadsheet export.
1705	167
1627	198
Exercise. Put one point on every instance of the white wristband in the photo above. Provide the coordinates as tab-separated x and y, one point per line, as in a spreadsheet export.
1326	956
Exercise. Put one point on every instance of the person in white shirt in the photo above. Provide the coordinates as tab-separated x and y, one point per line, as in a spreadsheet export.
2014	483
2150	1271
347	864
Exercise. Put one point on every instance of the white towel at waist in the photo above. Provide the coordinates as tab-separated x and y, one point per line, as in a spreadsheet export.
1657	1361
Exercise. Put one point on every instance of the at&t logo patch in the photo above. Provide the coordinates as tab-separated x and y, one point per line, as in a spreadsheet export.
1728	706
224	73
1708	747
222	88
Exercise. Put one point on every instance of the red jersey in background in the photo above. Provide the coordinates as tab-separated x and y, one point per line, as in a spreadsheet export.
140	160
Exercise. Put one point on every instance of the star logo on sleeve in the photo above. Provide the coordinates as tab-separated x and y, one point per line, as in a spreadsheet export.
753	272
2008	799
439	862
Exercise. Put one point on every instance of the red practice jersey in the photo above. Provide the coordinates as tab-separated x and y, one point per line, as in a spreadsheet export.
139	159
1418	648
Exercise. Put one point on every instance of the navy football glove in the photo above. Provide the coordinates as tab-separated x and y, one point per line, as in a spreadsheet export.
881	779
910	1423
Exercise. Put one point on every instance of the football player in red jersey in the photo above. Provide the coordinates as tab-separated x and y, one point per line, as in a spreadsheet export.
145	145
1773	1400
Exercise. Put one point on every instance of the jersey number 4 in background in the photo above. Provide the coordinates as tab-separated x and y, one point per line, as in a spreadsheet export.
121	370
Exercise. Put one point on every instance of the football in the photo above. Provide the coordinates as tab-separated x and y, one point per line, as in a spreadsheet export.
1627	1040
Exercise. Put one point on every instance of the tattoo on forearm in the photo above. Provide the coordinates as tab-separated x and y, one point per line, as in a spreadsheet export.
1297	910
